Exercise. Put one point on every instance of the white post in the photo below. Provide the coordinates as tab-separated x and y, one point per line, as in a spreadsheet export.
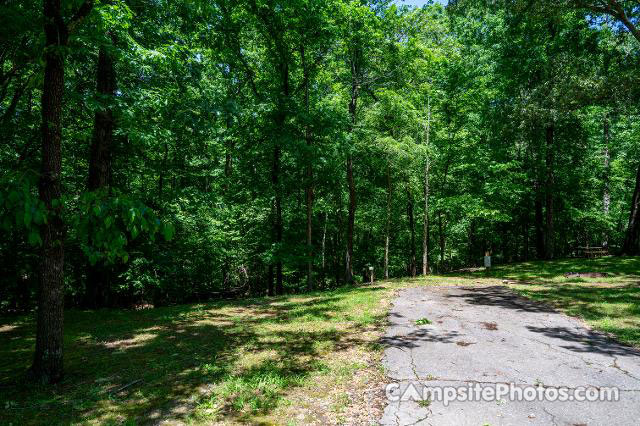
487	259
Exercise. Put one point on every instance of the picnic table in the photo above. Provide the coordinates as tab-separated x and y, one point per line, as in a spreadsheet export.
592	252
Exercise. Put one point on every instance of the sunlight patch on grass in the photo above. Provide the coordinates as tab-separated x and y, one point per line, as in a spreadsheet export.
251	360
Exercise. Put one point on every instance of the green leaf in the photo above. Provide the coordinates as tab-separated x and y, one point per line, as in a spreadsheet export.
34	238
27	218
168	232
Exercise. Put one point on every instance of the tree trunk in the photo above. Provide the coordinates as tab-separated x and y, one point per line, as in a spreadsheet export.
165	161
309	174
387	226
280	120
228	156
324	245
606	194
442	238
630	245
539	217
525	238
549	237
277	223
270	288
425	226
351	222
412	231
471	260
353	108
309	199
98	275
47	363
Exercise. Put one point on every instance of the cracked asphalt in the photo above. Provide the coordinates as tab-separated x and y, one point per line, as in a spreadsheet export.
489	336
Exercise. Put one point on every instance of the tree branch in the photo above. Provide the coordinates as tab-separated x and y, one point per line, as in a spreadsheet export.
612	8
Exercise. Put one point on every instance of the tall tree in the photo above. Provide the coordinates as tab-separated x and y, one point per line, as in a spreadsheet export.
100	153
47	364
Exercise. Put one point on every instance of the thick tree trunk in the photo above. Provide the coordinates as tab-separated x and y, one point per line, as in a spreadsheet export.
630	245
549	236
412	232
606	193
100	152
98	275
47	364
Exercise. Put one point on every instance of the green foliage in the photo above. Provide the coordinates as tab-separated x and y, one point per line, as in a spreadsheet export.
108	223
208	93
20	208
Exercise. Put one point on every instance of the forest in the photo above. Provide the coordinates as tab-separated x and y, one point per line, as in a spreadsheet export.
160	152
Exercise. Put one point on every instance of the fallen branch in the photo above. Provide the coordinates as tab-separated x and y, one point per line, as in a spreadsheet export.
121	388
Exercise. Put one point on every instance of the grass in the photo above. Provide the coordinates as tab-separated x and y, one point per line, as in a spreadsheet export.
304	359
621	270
265	360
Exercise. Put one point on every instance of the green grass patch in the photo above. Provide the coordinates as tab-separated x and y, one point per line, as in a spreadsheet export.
198	363
618	270
423	321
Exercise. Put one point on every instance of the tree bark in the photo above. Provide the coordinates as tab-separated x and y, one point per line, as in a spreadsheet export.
630	246
525	238
270	287
425	226
309	199
228	156
47	363
324	245
353	109
549	236
442	238
606	194
280	120
309	174
387	226
351	221
539	218
277	224
98	275
412	231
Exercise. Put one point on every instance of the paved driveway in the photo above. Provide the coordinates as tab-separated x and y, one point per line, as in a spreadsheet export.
491	337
